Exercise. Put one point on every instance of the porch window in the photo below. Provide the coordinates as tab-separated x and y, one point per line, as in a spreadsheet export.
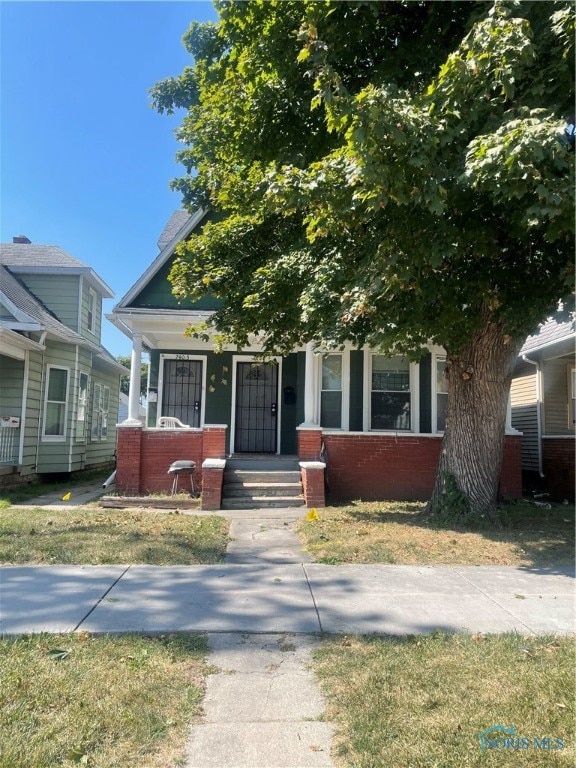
104	413
390	393
55	404
441	394
82	406
331	393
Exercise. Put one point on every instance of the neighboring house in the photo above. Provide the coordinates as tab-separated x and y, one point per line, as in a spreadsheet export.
543	397
58	386
375	421
123	409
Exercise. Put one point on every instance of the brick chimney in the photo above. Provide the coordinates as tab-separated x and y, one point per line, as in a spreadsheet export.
22	239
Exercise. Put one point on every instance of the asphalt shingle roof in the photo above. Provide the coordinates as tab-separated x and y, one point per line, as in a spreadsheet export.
175	223
557	328
32	255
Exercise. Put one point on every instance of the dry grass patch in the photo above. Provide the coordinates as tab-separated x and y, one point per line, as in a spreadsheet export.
102	702
90	536
395	532
420	702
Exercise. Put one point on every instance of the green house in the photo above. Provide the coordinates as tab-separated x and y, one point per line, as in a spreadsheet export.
370	424
59	387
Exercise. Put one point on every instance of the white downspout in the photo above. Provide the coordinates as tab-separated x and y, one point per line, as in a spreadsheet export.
538	412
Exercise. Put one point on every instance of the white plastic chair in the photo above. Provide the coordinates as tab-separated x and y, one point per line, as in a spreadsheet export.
171	422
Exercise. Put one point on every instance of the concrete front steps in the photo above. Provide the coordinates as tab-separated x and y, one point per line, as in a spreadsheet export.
258	482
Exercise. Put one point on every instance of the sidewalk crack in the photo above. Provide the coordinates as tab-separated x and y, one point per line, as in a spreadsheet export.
97	603
493	599
312	596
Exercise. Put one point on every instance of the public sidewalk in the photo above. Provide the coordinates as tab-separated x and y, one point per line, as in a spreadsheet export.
283	597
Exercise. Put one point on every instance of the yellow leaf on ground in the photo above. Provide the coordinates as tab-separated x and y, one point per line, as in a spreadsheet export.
67	497
312	515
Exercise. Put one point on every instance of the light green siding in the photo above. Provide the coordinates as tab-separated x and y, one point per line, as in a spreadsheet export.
99	448
60	293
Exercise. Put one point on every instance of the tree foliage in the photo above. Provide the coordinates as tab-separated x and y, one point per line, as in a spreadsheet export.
385	172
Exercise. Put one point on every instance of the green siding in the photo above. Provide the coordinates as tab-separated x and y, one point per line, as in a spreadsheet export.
289	410
33	412
426	394
12	372
59	293
100	450
356	390
157	294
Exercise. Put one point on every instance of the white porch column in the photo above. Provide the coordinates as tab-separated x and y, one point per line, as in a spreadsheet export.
135	374
309	388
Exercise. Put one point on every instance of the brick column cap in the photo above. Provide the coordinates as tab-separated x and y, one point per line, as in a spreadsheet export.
130	423
312	464
214	464
309	428
215	426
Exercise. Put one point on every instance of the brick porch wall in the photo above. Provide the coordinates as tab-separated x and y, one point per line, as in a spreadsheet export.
144	456
558	457
370	466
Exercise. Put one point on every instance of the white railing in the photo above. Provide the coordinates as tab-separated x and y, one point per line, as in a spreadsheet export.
9	439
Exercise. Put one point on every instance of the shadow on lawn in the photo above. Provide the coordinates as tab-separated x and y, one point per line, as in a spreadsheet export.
546	536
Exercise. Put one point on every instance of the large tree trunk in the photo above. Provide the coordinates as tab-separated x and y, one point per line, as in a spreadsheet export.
479	376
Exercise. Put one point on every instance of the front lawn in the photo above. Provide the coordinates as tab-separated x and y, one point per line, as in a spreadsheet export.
103	702
92	536
395	532
421	702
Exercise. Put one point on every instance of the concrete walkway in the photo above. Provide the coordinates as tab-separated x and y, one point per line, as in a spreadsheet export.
264	611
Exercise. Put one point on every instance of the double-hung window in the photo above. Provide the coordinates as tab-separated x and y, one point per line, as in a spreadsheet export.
55	405
91	311
441	394
82	406
390	393
331	392
100	406
572	399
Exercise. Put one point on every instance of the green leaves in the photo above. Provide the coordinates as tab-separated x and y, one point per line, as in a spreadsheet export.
377	169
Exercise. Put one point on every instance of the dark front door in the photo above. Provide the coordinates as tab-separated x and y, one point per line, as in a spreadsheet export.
182	391
256	408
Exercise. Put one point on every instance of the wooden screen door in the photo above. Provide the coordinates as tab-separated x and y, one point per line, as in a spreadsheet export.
256	408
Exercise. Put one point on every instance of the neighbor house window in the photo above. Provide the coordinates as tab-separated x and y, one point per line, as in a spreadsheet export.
100	407
55	403
390	393
441	394
91	311
331	393
82	406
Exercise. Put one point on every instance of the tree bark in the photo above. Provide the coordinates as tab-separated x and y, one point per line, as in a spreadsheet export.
479	377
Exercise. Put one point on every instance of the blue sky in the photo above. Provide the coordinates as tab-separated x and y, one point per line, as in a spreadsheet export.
85	161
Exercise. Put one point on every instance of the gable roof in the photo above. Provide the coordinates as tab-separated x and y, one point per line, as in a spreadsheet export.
26	313
187	224
555	330
175	223
30	258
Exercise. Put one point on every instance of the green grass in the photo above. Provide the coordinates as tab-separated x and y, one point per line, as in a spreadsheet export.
420	702
92	536
102	702
25	492
395	532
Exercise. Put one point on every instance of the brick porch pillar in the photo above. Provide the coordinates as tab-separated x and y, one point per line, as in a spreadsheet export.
214	441
128	455
212	480
309	443
313	483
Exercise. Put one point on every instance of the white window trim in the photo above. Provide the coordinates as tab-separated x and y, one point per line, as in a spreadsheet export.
253	359
105	411
414	373
571	396
84	437
345	412
92	296
55	438
437	355
180	356
95	438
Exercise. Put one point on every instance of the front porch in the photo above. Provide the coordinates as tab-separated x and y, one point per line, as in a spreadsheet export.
334	464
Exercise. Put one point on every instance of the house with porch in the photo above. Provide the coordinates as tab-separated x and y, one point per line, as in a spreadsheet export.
543	399
353	423
59	386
